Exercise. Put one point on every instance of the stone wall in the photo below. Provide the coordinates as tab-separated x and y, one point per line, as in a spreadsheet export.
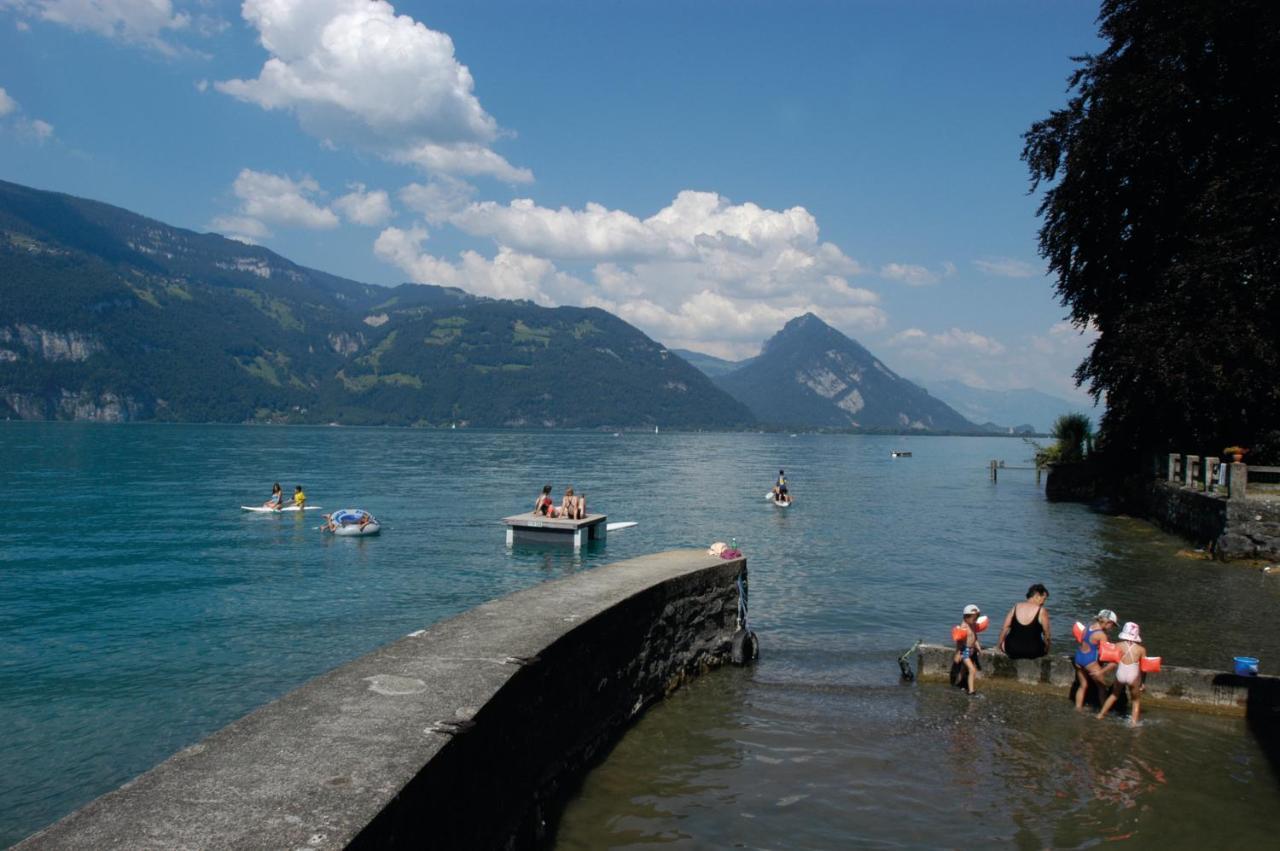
1230	528
1218	692
463	735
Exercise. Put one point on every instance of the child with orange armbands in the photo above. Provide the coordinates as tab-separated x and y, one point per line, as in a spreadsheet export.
1087	661
1131	671
965	665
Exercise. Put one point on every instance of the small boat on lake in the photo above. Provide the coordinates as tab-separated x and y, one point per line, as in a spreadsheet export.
900	453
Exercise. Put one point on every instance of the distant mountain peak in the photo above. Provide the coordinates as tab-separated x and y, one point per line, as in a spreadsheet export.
810	374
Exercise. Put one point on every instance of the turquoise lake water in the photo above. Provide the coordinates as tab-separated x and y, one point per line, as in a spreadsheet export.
140	610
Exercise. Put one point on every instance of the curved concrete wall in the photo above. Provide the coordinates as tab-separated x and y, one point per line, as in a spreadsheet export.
456	736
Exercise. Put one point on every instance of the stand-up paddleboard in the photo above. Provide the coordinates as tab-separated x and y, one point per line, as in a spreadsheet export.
781	504
613	527
264	510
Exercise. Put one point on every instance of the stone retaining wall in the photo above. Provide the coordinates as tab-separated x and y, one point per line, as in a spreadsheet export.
1231	528
462	735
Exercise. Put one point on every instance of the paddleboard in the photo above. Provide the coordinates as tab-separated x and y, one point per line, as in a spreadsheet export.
782	504
613	527
264	510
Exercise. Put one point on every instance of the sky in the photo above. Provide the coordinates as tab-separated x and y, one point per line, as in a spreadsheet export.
705	169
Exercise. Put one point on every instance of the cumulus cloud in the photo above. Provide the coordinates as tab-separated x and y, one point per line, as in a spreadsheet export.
364	207
278	199
1006	267
266	198
7	104
509	274
912	276
240	228
702	270
145	22
439	198
354	72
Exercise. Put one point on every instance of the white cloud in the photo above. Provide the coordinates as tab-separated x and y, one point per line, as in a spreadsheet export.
508	275
145	22
912	276
1006	267
273	198
354	72
469	158
241	228
701	270
202	86
1045	361
29	129
949	340
364	208
439	198
40	130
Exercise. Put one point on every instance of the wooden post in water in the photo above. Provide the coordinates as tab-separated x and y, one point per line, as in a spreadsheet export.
994	467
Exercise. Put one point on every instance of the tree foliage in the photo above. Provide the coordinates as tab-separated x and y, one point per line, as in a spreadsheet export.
1160	219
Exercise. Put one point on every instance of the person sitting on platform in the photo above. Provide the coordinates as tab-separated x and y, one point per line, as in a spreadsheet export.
1025	634
544	505
573	507
277	498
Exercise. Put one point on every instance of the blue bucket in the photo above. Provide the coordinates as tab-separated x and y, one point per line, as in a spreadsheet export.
1246	666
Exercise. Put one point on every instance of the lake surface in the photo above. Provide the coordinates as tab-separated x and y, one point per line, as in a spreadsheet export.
140	610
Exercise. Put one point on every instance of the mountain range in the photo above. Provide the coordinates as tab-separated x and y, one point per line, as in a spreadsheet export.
1020	410
108	315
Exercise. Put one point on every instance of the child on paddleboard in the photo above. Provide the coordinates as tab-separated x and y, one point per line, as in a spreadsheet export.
965	664
299	498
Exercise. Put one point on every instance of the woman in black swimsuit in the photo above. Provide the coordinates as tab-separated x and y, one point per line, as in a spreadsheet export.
1025	634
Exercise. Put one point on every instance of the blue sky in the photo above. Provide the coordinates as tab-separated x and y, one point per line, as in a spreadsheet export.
706	169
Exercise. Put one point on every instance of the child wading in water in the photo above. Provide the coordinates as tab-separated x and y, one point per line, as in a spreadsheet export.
1128	672
965	662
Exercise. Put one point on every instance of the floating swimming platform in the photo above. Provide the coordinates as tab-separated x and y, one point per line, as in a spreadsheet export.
530	528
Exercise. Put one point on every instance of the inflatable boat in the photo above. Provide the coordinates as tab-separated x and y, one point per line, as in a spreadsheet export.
350	522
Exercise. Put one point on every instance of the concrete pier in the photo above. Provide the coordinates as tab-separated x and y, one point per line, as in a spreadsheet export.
1196	689
530	528
462	735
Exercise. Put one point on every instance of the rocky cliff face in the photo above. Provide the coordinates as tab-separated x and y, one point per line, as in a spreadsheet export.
31	341
63	404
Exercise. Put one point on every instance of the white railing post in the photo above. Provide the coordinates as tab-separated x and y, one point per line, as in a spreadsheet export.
1189	471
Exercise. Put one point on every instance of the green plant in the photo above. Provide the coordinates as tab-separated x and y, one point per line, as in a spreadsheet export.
1073	434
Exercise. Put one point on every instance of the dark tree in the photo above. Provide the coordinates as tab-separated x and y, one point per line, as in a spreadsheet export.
1161	220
